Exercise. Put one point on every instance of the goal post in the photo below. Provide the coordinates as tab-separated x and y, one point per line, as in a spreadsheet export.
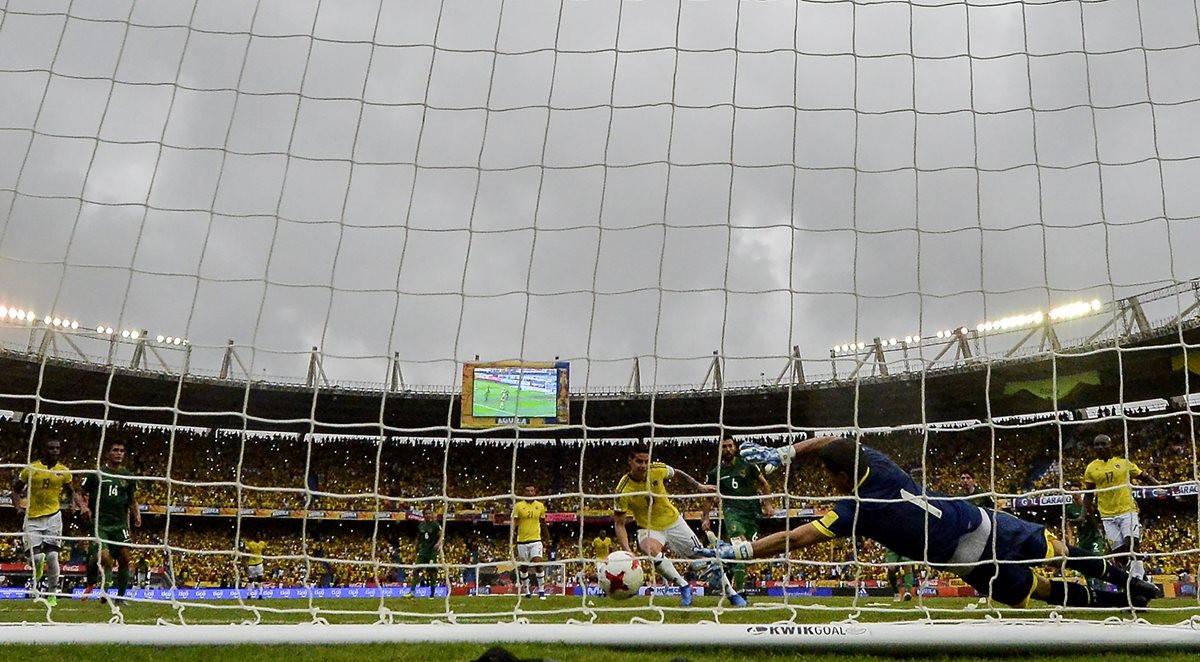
830	637
348	282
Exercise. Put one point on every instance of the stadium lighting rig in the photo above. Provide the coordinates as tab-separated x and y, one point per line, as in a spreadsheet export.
61	323
18	314
1011	322
1077	309
950	333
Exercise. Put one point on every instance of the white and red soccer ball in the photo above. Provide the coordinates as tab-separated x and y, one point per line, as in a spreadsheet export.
621	575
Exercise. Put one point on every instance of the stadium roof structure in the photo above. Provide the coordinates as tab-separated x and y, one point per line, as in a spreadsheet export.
1148	364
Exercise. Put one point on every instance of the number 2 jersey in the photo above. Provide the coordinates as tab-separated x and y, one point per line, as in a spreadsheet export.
894	511
110	494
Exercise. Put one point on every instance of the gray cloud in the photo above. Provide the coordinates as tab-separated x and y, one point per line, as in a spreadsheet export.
837	172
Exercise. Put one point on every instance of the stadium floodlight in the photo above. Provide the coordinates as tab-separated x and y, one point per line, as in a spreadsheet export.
74	324
47	321
178	341
134	335
860	346
3	311
108	330
125	333
57	321
1076	309
160	338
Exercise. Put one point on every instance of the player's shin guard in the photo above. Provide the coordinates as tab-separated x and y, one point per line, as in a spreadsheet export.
668	569
37	560
122	580
1070	594
52	572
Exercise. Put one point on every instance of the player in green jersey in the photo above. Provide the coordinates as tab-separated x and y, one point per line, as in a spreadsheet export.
1085	527
113	498
739	485
429	543
900	576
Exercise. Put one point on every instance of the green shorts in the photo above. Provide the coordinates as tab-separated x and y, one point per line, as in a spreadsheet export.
109	535
741	526
425	557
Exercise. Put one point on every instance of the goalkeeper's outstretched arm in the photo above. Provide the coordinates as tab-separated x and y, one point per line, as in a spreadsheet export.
775	544
806	447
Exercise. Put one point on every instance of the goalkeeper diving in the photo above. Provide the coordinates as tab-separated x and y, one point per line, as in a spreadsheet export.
991	551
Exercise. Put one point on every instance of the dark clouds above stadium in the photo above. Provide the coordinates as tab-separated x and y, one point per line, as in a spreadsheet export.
256	184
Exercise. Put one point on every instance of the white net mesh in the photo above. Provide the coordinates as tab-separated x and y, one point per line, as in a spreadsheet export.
987	210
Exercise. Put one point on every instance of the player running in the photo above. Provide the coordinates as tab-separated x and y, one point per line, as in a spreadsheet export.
739	484
992	551
529	520
43	483
113	495
661	528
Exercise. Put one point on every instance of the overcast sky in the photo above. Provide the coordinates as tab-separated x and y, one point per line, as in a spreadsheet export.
588	178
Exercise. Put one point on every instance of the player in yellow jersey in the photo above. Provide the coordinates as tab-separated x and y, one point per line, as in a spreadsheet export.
254	566
643	493
1110	476
602	546
42	485
529	521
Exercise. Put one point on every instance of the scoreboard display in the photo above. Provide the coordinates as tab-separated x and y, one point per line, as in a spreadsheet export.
522	393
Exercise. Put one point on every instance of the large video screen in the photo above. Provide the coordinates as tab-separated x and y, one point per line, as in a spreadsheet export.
514	393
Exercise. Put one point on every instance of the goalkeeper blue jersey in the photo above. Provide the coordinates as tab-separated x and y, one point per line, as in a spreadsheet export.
895	512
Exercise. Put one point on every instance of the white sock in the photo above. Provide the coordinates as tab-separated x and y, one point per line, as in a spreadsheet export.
52	571
1137	568
727	586
668	570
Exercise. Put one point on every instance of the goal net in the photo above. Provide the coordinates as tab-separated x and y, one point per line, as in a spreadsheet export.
354	284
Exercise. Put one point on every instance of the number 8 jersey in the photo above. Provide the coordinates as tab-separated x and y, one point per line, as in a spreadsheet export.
893	510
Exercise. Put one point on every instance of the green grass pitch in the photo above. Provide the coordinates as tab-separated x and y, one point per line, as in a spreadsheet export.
488	395
500	609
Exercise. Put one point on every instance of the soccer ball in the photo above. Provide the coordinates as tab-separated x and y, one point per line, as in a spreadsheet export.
621	575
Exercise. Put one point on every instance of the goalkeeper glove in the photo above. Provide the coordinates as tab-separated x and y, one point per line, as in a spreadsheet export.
766	457
741	551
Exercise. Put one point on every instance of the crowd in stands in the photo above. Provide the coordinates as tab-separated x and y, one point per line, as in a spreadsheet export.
189	467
